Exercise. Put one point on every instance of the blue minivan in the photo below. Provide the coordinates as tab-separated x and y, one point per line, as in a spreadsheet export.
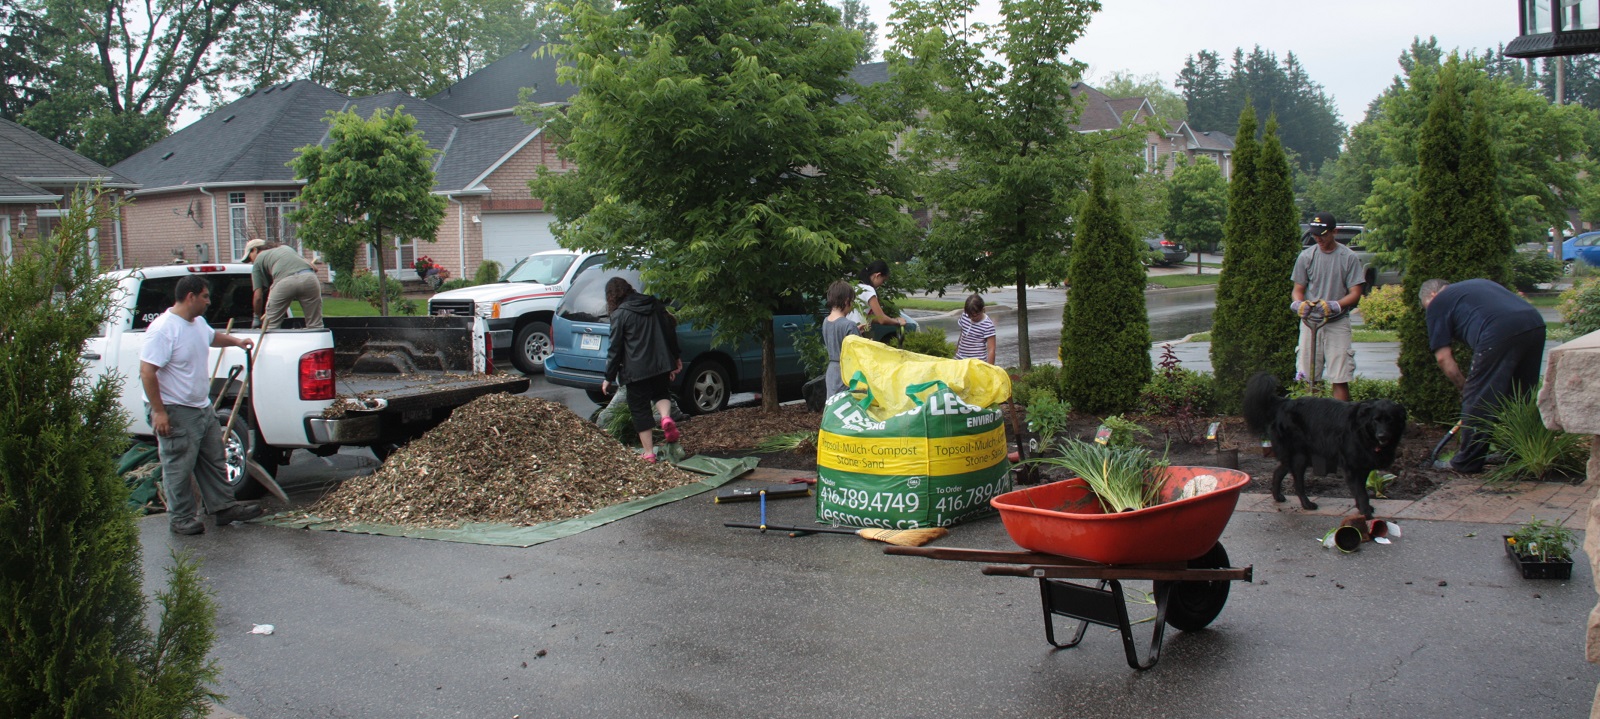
581	333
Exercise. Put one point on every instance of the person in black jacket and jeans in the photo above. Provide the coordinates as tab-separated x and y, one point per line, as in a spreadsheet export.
644	357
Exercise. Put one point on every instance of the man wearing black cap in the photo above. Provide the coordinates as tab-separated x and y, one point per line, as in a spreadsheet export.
1330	272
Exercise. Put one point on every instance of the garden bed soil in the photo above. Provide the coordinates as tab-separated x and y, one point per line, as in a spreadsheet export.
736	432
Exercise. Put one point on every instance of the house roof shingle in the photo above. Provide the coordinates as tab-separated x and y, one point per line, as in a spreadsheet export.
252	139
496	88
29	160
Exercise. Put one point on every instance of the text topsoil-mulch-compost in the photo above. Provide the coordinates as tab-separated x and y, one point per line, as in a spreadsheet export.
502	459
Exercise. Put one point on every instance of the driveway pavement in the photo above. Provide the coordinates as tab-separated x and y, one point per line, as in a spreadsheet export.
669	614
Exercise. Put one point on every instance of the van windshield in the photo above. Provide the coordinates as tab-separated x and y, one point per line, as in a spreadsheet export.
543	269
585	300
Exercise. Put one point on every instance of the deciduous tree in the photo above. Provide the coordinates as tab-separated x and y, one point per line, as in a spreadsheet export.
372	184
1003	165
717	152
1197	204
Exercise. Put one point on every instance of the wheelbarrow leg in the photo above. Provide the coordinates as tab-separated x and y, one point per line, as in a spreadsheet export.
1106	607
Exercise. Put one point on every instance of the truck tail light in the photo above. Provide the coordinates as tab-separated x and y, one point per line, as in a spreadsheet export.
488	353
316	375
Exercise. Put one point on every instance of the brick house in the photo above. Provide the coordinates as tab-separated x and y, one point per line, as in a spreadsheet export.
37	179
209	188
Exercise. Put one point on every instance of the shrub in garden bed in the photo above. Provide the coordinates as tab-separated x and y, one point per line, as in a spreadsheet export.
1580	307
1382	308
1532	450
929	341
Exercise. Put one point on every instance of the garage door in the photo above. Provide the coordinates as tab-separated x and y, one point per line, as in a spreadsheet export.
513	236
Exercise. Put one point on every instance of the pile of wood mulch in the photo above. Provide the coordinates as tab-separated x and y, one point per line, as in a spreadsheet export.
740	428
503	459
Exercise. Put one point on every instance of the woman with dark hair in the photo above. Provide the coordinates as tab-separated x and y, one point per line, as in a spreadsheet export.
644	357
868	311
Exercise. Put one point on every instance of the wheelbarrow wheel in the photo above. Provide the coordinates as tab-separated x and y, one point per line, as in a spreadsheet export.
1194	605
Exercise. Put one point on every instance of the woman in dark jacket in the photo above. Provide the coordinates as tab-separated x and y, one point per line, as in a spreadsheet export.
644	357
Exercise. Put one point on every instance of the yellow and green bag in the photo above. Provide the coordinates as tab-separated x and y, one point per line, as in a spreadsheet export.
934	464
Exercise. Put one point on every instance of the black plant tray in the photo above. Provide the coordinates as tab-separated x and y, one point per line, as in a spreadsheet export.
1558	569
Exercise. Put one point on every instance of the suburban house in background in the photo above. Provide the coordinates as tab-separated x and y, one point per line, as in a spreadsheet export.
1103	114
209	188
37	179
206	190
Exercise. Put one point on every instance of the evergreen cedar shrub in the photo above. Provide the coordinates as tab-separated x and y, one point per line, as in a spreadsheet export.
1382	308
1041	379
1459	231
488	273
72	608
1105	333
1253	328
1580	307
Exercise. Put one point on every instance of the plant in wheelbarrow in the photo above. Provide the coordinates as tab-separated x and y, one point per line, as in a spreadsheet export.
1123	479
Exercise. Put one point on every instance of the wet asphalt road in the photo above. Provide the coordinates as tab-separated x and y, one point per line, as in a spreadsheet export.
669	614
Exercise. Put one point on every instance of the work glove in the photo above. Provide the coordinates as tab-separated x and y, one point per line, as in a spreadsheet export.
1333	308
1299	306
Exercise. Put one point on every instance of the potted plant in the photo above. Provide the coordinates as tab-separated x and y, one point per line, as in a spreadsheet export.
1542	549
422	265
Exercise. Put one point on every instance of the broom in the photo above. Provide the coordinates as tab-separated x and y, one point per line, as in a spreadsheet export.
897	537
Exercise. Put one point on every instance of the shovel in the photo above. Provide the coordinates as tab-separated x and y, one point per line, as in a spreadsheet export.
1315	323
1434	455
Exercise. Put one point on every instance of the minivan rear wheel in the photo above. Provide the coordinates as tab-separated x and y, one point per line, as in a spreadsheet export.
707	387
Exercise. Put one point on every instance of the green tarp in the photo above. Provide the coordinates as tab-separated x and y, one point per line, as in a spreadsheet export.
720	471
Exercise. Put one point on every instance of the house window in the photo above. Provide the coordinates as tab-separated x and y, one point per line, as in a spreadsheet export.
45	222
279	228
398	263
5	237
238	224
1150	157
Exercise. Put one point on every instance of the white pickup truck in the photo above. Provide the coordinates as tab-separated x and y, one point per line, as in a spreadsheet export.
374	382
519	308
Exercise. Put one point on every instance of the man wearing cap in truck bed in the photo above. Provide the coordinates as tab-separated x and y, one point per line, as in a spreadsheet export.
282	276
1330	272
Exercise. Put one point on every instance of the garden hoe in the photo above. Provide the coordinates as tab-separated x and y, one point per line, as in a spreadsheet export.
898	537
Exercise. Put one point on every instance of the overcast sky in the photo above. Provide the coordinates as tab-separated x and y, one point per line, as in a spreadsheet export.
1350	47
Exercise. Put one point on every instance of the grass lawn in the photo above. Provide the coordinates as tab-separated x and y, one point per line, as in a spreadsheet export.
342	307
1355	336
919	303
1552	299
1171	281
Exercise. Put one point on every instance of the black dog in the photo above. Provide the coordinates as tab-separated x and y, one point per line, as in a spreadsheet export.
1356	436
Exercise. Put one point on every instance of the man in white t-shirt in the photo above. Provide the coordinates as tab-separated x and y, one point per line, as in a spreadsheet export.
173	369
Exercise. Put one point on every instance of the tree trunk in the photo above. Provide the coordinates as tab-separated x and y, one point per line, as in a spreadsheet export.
383	291
769	371
1024	357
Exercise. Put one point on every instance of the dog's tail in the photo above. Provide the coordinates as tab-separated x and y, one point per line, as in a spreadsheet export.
1261	402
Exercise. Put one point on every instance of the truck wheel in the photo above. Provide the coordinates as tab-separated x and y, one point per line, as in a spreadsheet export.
598	397
707	387
384	449
1372	281
531	346
1566	268
236	446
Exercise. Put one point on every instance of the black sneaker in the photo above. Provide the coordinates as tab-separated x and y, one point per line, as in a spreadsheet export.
238	513
190	527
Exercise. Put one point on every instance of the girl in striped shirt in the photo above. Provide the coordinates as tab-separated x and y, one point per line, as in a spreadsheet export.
977	332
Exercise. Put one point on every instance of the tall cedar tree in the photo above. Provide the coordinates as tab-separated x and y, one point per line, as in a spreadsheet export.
72	608
1254	331
371	185
715	152
1459	231
1105	333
